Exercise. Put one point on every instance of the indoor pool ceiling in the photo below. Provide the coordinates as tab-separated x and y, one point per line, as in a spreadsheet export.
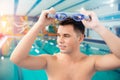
34	7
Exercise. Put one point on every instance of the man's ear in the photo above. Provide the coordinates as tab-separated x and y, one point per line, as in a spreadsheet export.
81	37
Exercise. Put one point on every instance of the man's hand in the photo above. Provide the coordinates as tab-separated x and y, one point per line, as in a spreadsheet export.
93	22
44	20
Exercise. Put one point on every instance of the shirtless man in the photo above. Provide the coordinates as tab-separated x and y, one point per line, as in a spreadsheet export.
70	63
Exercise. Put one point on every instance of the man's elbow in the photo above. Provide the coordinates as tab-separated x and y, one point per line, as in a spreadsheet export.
14	60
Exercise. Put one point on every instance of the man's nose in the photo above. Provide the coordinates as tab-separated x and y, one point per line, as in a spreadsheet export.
61	40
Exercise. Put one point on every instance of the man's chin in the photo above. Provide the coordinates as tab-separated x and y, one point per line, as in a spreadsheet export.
63	51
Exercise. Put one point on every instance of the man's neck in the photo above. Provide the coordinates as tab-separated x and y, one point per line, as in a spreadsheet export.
71	56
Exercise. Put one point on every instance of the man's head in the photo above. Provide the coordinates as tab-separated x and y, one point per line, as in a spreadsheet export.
78	26
70	35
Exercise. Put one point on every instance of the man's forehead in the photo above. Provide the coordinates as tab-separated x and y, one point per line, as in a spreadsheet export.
65	30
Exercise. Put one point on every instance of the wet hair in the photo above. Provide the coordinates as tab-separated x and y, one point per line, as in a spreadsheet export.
77	25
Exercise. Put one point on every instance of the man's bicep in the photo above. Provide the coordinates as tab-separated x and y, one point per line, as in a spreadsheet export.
107	62
34	62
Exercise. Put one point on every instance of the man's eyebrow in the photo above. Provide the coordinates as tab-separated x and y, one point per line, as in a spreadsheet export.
66	34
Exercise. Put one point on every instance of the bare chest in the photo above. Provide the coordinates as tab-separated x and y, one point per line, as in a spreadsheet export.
73	71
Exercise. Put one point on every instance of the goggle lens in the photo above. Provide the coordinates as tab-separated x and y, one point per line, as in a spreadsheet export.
63	16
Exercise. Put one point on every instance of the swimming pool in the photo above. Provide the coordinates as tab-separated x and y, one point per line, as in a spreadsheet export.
9	71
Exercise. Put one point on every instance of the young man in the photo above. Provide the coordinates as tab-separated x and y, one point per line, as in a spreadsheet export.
70	63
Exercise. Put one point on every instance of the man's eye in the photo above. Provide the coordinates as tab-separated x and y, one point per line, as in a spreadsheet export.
66	35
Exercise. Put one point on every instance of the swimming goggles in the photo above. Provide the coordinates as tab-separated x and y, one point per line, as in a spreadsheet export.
62	16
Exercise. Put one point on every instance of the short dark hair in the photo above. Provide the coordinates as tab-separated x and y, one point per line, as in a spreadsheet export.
77	25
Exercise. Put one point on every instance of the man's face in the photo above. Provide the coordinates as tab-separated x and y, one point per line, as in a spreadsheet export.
67	39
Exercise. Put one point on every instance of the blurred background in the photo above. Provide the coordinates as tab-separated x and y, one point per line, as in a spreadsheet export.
18	16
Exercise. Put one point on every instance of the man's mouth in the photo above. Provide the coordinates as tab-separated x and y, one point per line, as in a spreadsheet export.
62	46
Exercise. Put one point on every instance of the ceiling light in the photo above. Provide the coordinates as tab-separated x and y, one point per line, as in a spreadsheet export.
111	1
111	5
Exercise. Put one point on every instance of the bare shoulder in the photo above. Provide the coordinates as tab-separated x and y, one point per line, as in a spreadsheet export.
105	62
91	59
94	57
47	56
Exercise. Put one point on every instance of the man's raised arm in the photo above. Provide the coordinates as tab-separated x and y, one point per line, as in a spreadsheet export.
20	55
112	60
